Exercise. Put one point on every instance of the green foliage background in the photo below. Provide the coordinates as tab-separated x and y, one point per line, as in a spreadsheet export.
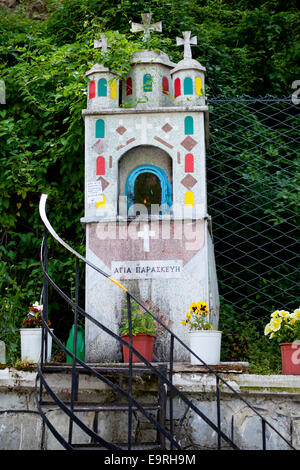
248	47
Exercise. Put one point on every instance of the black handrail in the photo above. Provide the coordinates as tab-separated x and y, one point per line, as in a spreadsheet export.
128	395
138	354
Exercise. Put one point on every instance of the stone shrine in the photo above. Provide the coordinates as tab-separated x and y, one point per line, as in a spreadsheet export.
145	193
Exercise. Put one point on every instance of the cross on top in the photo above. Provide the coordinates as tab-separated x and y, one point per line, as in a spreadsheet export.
147	27
186	42
101	44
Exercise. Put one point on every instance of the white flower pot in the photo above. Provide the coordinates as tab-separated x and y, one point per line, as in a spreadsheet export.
207	345
31	342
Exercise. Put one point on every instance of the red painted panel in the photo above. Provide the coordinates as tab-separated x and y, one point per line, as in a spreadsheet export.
92	90
189	163
129	86
165	86
100	170
177	88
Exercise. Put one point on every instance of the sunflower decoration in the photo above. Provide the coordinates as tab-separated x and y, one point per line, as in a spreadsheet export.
197	317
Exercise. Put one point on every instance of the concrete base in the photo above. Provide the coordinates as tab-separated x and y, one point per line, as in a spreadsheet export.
276	397
170	291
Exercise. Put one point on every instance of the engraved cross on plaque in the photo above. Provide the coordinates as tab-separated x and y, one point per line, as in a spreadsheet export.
186	42
146	234
146	27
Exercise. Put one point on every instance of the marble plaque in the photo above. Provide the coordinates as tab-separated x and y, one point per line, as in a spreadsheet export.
146	269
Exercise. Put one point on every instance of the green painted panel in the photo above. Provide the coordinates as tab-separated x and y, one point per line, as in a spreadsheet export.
100	129
189	125
102	87
147	85
188	86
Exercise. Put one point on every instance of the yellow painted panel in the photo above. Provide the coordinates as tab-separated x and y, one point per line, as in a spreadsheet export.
199	90
189	199
113	90
101	205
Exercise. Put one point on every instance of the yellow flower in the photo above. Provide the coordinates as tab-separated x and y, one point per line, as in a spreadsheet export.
275	324
193	307
6	306
183	322
268	329
283	313
296	314
275	314
203	307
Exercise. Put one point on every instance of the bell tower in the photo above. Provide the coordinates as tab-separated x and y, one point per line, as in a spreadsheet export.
146	215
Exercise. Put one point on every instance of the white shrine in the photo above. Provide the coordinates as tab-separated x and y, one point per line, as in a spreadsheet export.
146	217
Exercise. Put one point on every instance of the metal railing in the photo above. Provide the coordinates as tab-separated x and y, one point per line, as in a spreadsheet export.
78	365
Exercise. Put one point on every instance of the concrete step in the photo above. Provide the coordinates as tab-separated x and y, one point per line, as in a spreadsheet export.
119	368
94	446
93	406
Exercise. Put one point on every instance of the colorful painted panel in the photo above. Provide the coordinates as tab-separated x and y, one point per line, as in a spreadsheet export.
100	129
165	86
147	82
102	87
189	163
129	86
92	90
189	199
199	89
100	166
188	86
177	87
189	125
113	90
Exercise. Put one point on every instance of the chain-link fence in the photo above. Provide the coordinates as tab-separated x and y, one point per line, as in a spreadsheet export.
253	194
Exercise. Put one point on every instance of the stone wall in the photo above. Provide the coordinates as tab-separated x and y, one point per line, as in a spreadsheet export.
275	397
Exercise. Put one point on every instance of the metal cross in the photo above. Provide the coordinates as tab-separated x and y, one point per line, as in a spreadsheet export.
147	27
101	44
146	234
186	42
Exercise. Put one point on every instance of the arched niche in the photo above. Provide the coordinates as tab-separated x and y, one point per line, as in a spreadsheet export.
141	165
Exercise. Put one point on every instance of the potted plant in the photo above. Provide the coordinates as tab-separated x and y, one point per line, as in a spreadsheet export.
204	341
285	328
144	332
31	335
